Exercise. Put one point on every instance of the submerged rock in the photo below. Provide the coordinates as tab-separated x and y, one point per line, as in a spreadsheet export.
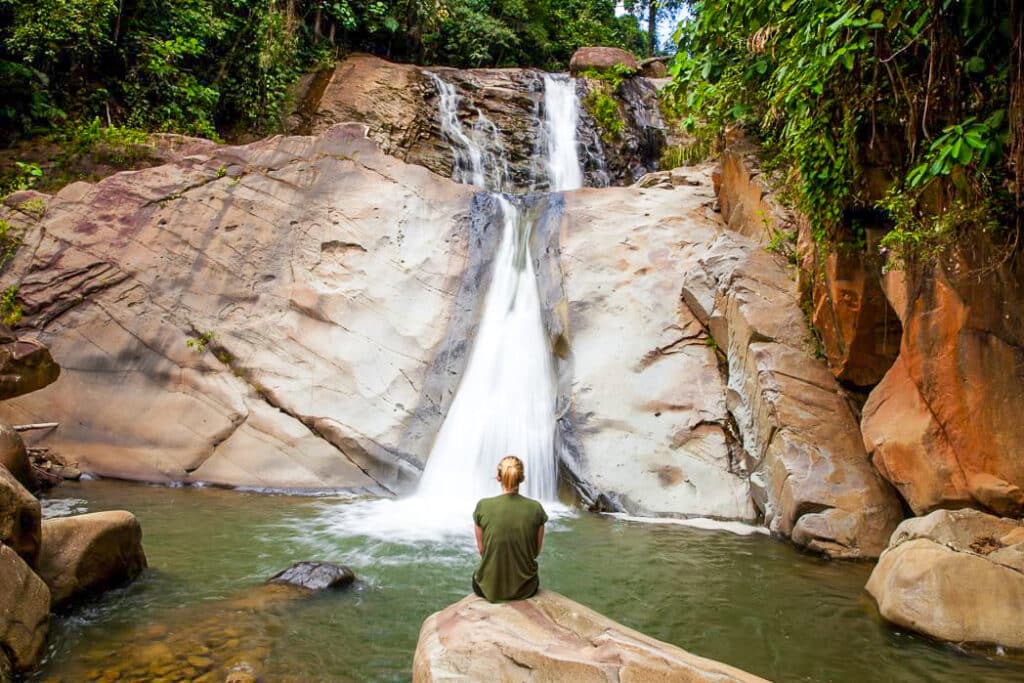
602	59
315	576
24	612
20	517
955	575
549	638
86	554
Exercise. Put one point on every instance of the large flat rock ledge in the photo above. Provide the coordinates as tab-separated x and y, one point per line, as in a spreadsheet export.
549	638
955	575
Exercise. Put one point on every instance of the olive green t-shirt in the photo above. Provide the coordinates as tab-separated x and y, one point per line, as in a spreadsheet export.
508	566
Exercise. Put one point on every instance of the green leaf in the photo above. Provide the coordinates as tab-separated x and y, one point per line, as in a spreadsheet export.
975	65
848	61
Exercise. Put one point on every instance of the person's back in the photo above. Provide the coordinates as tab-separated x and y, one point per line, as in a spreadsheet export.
510	534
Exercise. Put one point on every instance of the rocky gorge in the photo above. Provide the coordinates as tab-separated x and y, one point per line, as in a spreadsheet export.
297	314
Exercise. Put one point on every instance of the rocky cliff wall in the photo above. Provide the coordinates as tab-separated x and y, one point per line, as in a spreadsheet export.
399	104
939	346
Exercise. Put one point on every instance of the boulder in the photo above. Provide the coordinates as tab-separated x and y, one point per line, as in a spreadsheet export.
86	554
810	474
19	518
24	613
654	67
14	457
25	366
315	576
955	575
944	423
601	59
549	638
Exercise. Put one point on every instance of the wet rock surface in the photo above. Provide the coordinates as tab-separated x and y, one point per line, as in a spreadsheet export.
24	613
549	638
955	575
84	555
232	639
315	576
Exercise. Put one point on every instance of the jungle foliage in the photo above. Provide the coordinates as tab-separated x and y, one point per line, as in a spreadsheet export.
911	110
208	66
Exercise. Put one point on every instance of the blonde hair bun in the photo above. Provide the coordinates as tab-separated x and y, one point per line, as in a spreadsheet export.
510	471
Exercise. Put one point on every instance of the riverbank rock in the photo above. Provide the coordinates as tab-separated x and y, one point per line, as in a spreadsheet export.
24	612
809	472
284	300
14	457
20	517
602	60
549	638
955	575
86	554
25	365
315	576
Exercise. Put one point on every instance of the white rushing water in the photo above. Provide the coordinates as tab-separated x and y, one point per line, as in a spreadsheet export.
561	117
478	155
505	403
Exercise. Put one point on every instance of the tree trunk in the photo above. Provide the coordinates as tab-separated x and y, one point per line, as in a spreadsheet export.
652	27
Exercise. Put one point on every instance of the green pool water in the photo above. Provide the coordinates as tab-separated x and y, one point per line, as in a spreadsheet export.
749	601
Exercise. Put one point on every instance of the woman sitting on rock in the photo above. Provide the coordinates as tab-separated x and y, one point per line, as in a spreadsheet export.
509	536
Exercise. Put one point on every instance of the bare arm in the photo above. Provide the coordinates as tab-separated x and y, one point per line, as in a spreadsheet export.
479	539
540	538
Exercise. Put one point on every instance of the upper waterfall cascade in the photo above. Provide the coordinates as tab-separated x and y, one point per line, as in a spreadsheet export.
505	403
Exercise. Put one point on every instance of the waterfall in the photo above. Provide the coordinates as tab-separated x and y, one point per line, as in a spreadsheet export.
505	403
478	157
561	118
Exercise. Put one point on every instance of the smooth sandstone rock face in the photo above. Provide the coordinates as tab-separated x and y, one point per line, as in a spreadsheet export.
260	316
809	472
549	638
85	554
944	424
19	518
956	576
648	399
24	612
601	59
